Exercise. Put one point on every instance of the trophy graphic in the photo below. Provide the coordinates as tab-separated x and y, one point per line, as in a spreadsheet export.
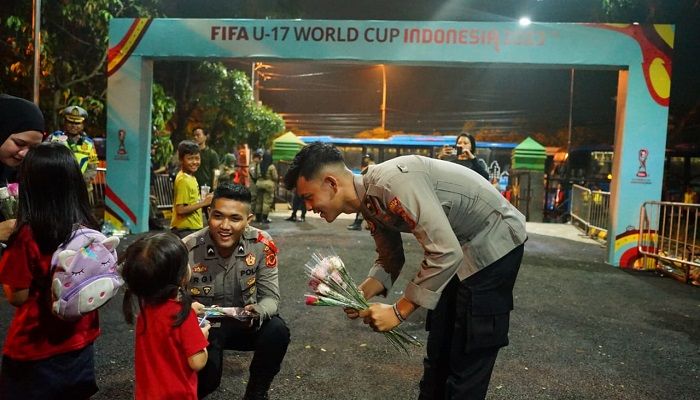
122	148
642	170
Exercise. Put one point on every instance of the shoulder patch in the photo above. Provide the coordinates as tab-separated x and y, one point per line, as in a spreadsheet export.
271	260
269	244
396	207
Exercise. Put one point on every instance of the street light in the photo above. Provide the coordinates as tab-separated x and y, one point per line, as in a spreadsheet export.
524	21
255	67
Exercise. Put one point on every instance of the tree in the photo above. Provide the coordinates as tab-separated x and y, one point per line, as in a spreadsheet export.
220	100
74	51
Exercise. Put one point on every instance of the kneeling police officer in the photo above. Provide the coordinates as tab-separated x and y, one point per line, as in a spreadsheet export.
235	265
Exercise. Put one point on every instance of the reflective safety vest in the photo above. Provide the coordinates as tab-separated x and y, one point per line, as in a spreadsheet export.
83	150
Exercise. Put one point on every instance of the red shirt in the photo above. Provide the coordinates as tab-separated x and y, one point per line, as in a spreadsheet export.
35	333
162	350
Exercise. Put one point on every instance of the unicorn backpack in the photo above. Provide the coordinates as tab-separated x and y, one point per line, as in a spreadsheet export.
84	273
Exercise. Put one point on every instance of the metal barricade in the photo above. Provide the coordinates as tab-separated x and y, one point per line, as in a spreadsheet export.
97	194
590	211
162	189
669	235
580	207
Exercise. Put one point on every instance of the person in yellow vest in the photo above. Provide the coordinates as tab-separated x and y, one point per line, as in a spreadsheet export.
78	141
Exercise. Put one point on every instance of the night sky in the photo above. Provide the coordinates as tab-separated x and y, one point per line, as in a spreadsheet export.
343	99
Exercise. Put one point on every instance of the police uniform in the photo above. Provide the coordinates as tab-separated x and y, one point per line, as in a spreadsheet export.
248	276
473	241
83	148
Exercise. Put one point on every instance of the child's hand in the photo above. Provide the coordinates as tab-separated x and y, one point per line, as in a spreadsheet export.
205	329
207	200
198	307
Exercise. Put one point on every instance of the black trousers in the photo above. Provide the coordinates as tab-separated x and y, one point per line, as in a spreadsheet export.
67	376
298	205
466	330
269	342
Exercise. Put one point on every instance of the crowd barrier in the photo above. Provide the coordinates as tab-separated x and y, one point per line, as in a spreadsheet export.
590	211
669	235
97	192
161	190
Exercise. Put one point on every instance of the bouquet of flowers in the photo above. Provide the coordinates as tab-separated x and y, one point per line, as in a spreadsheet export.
332	285
8	200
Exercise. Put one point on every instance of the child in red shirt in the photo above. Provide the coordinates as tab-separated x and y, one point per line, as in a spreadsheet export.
170	344
43	356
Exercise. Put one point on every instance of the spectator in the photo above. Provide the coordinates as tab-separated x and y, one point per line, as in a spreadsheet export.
297	205
228	169
689	196
187	202
45	357
170	345
265	186
209	160
21	127
254	174
463	154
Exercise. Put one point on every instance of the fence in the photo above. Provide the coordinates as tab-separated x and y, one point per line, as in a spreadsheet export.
590	211
161	191
669	235
97	194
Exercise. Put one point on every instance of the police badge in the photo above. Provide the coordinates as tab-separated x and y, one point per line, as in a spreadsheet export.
250	259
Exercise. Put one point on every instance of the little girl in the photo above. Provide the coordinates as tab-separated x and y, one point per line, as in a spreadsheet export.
170	345
45	357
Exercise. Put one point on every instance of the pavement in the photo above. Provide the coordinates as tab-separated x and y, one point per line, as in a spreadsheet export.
581	329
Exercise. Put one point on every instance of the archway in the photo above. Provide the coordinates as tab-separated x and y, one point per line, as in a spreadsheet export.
641	54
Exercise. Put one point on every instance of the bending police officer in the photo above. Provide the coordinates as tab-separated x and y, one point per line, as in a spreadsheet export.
473	242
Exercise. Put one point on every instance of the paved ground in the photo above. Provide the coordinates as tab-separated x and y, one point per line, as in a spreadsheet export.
581	329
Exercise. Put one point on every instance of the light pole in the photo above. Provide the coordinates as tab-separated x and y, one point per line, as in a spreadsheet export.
255	67
382	107
571	111
36	26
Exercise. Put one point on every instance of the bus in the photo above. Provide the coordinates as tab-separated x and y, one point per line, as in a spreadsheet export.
496	155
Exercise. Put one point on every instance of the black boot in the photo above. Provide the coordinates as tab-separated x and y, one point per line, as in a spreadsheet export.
257	389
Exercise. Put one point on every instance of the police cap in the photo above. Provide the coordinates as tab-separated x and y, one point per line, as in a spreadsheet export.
74	114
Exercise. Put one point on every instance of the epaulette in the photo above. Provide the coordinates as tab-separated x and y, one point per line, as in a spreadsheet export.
194	240
269	244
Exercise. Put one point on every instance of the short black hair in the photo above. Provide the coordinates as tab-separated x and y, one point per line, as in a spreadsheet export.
186	148
309	160
204	132
232	192
154	268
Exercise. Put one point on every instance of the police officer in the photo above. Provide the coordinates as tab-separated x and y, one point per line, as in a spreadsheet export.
78	141
473	241
235	265
265	188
